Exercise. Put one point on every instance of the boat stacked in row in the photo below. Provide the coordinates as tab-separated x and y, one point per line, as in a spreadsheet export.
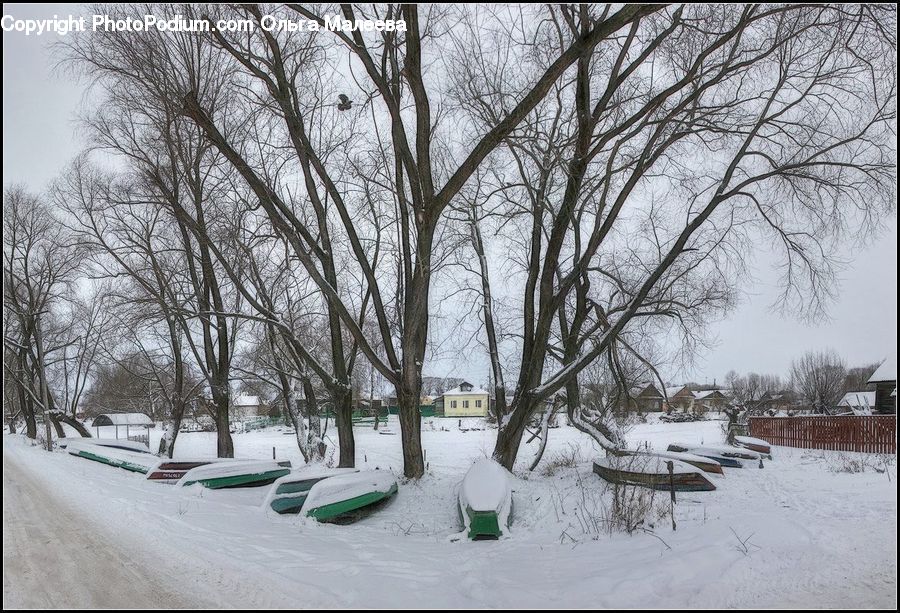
682	466
329	495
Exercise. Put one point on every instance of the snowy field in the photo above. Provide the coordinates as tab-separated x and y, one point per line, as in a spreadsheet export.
802	532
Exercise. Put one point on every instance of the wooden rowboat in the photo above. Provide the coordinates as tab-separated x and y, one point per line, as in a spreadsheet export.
728	456
345	498
754	444
485	500
653	472
707	465
236	473
290	491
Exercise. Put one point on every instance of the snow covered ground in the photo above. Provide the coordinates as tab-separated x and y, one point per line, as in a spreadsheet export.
799	533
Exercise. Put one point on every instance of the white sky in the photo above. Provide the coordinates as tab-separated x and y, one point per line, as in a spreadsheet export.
39	139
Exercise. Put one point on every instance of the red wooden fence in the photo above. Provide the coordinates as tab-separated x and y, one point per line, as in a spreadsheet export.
866	433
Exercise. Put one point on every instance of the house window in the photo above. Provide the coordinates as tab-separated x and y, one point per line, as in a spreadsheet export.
465	404
452	404
477	404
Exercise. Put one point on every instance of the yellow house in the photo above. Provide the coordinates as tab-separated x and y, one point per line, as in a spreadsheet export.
465	400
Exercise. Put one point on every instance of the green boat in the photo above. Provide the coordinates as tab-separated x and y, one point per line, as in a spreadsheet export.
346	498
289	492
240	473
485	501
128	460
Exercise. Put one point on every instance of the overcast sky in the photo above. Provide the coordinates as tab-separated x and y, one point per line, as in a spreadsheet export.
39	139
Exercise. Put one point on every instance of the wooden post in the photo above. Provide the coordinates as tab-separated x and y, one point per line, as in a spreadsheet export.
671	467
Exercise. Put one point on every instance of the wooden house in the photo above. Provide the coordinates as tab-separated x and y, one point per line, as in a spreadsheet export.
679	398
464	400
885	381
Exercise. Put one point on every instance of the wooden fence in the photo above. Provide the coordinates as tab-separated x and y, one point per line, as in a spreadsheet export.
866	433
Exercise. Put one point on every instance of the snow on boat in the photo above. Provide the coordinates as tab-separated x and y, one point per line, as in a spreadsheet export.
653	472
754	444
344	498
289	492
133	461
123	444
707	465
485	500
171	471
729	457
235	473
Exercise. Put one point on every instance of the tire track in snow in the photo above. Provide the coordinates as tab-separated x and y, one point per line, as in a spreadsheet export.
54	558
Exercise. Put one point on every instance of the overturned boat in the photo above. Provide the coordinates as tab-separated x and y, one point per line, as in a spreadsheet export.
235	473
133	461
485	500
729	457
754	444
289	492
347	497
113	443
707	465
653	472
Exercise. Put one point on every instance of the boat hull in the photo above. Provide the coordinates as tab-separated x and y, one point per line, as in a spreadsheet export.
257	479
684	482
348	510
710	466
726	462
290	492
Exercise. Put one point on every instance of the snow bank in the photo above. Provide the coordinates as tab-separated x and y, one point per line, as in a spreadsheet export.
344	487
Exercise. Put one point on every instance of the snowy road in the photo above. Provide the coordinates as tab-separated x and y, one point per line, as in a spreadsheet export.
83	570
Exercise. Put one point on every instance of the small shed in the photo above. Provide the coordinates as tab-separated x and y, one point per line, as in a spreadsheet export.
124	420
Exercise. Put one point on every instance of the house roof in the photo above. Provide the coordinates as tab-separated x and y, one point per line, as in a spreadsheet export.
858	399
708	394
677	391
886	372
122	419
457	391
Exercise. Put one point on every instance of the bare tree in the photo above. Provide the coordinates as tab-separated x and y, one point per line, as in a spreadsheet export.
818	377
40	264
393	68
665	156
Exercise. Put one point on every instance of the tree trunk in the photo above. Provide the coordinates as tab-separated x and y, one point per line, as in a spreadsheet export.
54	419
222	400
509	436
343	420
74	423
411	433
173	426
27	412
314	441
